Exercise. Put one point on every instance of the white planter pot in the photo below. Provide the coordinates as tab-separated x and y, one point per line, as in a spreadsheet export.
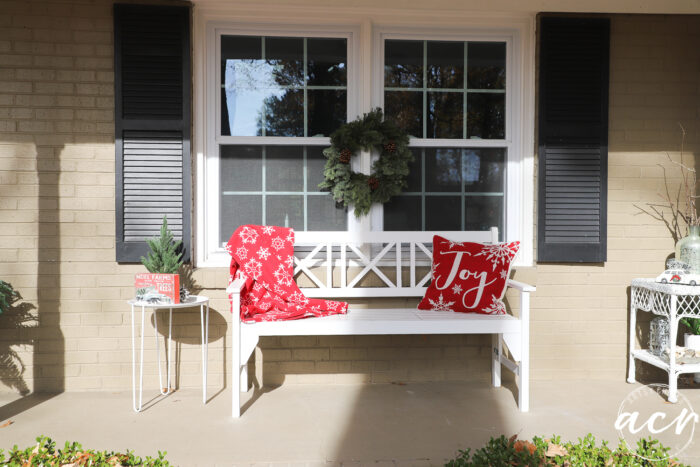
692	341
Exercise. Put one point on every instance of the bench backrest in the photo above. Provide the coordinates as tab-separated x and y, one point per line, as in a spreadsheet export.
340	264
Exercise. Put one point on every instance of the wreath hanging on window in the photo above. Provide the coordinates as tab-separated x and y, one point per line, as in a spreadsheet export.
388	177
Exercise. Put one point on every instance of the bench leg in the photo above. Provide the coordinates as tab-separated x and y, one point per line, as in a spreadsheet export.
524	366
235	356
496	351
524	387
244	378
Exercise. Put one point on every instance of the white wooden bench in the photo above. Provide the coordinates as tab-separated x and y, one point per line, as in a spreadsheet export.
408	256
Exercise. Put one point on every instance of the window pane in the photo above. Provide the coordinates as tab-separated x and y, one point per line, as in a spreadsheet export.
483	170
285	56
484	212
238	210
406	109
442	170
486	65
403	64
403	213
315	163
284	169
327	62
486	115
241	168
414	179
285	210
246	84
325	215
327	111
284	113
445	64
445	113
443	213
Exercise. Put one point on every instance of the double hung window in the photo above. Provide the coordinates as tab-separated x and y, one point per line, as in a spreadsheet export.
276	94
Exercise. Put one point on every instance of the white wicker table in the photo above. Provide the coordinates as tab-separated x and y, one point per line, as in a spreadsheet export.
194	300
673	302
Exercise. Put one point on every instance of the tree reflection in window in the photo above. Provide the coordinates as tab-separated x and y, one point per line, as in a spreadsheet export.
283	86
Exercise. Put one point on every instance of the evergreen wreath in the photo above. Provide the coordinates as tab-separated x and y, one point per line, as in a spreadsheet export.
389	172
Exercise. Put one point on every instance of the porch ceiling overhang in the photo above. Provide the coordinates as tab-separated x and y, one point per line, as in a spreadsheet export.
505	6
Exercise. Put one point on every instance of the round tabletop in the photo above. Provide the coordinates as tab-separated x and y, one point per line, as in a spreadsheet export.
192	300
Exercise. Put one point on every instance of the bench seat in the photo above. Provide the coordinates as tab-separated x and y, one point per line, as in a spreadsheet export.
388	321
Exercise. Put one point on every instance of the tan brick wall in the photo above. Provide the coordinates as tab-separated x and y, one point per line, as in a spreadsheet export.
57	224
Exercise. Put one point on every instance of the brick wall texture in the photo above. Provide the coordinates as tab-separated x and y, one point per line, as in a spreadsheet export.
57	226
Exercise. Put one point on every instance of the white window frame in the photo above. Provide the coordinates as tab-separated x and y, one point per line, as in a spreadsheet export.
366	32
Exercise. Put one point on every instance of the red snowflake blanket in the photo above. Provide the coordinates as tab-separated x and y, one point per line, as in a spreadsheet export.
264	256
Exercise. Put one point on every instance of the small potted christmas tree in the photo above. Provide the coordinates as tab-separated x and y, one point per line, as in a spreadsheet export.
163	262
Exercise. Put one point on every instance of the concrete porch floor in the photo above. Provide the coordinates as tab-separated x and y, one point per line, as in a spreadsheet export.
392	424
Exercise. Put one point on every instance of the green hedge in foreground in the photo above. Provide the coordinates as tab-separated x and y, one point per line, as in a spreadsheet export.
44	453
503	452
498	452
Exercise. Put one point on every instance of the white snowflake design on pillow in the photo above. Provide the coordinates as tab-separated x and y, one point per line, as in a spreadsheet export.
441	304
497	307
433	270
268	230
499	252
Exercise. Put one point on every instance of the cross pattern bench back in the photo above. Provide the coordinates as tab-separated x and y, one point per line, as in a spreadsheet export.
408	255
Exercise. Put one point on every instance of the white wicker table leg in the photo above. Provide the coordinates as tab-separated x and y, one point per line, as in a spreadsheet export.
672	373
633	325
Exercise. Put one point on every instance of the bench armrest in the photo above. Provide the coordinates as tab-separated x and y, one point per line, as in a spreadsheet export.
521	286
236	286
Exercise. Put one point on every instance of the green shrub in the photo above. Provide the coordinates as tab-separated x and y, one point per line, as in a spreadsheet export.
503	452
8	295
45	453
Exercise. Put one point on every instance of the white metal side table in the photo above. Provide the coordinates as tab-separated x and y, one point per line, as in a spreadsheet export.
192	301
673	302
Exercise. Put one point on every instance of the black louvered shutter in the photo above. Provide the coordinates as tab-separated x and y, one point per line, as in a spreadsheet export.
573	139
152	120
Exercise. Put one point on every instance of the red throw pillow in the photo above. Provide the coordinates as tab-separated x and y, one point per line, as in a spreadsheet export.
469	277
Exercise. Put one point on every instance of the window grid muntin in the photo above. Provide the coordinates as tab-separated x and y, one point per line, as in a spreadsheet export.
464	91
305	87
